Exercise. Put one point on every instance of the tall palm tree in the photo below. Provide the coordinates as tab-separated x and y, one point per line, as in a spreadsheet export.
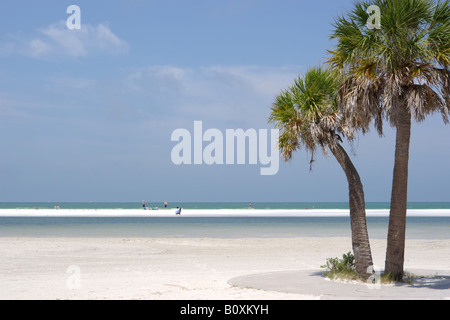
395	72
307	115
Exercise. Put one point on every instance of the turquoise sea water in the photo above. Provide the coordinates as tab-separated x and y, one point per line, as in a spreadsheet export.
208	227
217	227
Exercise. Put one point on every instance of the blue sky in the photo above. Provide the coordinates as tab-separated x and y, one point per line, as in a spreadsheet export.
87	115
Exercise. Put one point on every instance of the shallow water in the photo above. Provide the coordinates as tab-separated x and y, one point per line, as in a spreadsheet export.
213	227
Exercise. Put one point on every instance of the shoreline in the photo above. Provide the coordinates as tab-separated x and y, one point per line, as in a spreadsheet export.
211	213
221	223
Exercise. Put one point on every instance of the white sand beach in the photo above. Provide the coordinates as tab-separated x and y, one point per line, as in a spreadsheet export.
182	268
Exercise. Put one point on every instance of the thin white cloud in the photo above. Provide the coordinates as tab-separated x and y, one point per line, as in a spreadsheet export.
38	47
242	93
58	41
234	96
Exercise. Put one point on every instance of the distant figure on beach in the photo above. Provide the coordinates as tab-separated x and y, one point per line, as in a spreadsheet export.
249	205
178	211
56	206
143	204
165	204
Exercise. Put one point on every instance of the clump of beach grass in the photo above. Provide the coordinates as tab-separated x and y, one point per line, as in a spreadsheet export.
341	269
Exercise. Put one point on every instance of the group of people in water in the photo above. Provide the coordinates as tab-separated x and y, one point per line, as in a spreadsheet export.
144	206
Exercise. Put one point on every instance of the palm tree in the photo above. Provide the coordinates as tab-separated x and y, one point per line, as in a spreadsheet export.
396	72
307	115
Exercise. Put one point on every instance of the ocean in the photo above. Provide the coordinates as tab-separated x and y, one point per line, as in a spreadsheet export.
215	227
216	205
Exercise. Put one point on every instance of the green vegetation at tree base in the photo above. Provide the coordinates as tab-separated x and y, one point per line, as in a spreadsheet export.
344	268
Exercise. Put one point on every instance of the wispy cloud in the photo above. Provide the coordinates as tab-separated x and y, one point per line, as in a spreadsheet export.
57	40
242	93
165	96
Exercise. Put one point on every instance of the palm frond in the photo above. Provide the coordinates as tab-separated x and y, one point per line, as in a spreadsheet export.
405	63
307	113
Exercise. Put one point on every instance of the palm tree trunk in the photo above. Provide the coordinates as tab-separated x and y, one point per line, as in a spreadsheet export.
397	218
360	236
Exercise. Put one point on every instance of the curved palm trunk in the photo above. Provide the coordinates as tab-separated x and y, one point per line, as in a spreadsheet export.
397	218
360	236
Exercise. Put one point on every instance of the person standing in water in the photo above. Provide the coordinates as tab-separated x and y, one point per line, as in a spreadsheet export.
143	204
165	204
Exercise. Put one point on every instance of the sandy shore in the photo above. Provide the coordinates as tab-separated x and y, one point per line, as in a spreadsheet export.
175	268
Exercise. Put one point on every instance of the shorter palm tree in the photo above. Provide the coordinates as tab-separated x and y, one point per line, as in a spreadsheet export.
307	115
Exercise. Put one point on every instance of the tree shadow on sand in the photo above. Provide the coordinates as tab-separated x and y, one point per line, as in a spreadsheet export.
437	282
